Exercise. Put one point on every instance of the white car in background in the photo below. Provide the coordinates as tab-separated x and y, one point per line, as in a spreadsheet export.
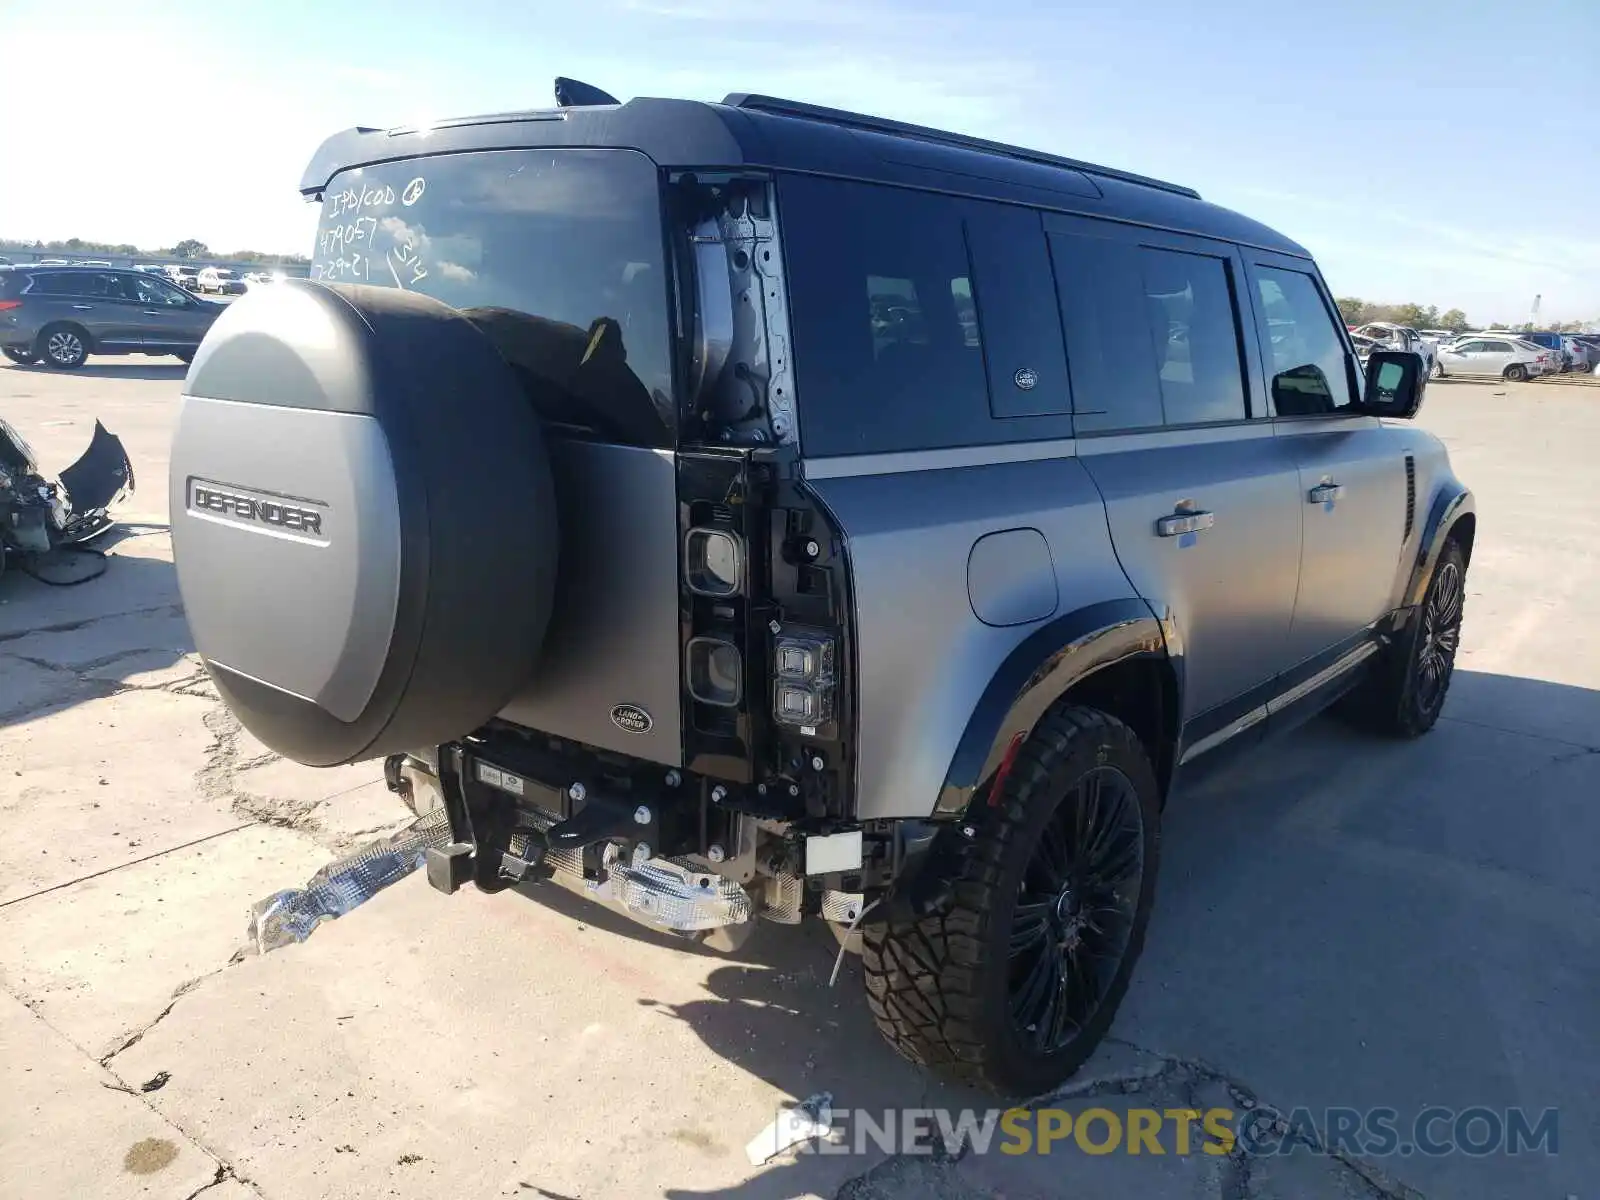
220	280
1490	356
1583	353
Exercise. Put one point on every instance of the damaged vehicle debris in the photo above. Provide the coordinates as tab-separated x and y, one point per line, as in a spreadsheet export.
693	507
39	515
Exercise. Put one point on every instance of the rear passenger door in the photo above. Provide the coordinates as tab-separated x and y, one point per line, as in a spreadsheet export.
95	301
1202	499
1352	490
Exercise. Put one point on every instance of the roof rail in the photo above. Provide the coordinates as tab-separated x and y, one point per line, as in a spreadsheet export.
839	116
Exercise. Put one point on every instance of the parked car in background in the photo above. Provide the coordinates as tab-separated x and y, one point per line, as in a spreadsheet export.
1365	346
90	262
255	279
220	280
1401	337
1477	356
1439	337
1555	343
59	316
1582	352
185	277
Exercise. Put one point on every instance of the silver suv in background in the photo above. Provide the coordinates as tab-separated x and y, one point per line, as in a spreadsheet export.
754	511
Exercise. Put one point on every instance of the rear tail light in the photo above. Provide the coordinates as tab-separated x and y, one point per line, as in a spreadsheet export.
803	692
8	305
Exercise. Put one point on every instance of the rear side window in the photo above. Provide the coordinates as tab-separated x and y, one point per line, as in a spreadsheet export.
888	346
54	283
1152	332
1192	328
1307	367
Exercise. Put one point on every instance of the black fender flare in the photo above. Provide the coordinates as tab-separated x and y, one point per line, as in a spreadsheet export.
1452	504
1038	671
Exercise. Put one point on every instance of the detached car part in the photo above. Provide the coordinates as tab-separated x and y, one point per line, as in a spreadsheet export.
39	514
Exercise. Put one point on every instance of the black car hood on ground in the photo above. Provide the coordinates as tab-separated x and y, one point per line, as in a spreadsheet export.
38	513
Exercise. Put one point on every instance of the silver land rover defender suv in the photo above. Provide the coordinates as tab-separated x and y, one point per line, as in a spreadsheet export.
754	511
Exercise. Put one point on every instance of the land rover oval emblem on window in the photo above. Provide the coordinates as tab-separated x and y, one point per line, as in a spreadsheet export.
632	718
1026	379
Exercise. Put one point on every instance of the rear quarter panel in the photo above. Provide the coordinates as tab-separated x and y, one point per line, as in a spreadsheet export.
923	656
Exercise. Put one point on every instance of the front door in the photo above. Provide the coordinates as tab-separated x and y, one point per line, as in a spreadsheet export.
169	318
1351	469
1477	357
1202	500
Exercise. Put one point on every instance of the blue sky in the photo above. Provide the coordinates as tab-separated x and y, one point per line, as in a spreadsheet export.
1446	153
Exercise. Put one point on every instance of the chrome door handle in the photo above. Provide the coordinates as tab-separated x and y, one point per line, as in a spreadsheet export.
151	312
1180	523
1325	493
83	308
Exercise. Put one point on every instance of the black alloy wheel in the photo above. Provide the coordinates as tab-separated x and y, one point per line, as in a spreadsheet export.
1076	910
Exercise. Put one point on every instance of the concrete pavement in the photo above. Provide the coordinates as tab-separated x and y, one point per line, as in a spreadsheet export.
1342	923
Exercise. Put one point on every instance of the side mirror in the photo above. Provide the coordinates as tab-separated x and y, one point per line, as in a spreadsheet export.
1394	384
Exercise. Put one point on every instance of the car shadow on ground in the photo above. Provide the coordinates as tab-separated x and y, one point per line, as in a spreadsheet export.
130	368
1310	938
72	642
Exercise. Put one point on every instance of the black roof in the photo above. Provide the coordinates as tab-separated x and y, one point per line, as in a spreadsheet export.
762	131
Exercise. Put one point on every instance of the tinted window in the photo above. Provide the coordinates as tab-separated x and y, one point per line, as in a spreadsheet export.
1115	382
888	352
557	255
1306	359
54	283
79	283
103	285
1152	336
1497	347
1189	306
152	291
1466	348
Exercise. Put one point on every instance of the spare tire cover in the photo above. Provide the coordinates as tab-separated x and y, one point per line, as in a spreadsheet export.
363	520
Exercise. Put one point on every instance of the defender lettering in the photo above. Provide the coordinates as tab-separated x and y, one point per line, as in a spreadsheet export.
248	508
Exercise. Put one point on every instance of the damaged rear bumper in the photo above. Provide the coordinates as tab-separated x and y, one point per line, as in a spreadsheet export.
595	845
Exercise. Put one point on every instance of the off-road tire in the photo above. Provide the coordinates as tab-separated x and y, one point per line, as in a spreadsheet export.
937	985
1392	701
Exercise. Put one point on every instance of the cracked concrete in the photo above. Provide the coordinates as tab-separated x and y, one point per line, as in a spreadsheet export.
1341	922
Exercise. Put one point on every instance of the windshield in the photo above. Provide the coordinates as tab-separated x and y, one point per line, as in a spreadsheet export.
557	255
